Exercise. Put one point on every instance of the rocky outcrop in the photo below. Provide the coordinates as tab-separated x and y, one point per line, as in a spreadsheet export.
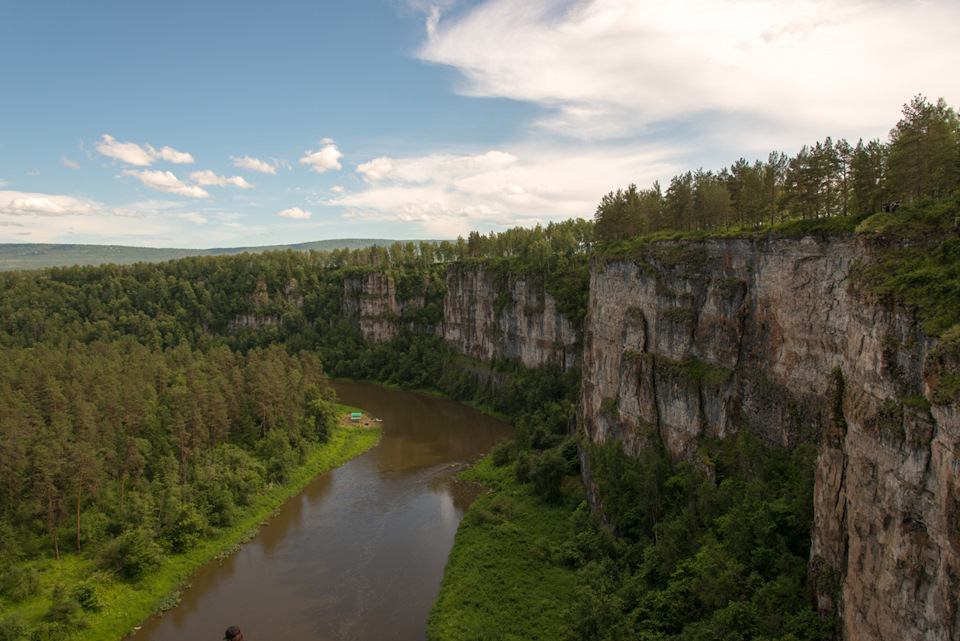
706	339
495	316
264	313
486	315
371	300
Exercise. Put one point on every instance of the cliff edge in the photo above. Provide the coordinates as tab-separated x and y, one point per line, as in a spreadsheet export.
706	338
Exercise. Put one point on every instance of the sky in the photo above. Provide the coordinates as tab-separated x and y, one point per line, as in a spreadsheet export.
212	123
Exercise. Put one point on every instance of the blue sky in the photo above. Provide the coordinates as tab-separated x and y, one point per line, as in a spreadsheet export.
220	124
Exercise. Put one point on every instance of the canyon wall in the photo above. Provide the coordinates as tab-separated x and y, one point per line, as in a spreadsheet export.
487	315
495	316
371	300
705	339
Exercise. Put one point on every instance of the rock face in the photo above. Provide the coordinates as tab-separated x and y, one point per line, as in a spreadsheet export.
372	301
494	316
705	339
485	315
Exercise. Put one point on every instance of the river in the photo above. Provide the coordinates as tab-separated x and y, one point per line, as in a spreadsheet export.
359	554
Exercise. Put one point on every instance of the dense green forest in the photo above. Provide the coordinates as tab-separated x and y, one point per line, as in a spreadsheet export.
142	407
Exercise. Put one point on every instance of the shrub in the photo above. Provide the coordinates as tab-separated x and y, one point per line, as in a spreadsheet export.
133	554
13	628
547	475
18	583
88	593
502	453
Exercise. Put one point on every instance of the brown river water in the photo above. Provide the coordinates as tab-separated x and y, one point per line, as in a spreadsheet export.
359	554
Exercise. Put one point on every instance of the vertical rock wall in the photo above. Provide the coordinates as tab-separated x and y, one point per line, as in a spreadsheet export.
494	316
372	301
768	334
486	315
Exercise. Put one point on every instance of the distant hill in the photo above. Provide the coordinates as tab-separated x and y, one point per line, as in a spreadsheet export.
38	256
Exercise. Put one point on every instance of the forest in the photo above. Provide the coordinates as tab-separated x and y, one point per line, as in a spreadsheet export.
825	179
142	406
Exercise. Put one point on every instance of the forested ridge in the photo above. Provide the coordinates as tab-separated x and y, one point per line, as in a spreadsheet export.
142	406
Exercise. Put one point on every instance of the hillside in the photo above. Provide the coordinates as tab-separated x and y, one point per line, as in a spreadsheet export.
40	255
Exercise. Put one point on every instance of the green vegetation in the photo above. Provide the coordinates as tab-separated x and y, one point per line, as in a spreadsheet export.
39	255
716	550
696	555
826	180
152	415
507	576
916	261
105	604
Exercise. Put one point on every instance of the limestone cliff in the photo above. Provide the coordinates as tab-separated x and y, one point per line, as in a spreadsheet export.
770	335
493	316
486	315
372	302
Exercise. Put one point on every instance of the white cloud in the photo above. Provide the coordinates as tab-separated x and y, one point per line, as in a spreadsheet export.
295	212
139	156
32	204
68	163
238	181
324	160
129	213
166	181
447	195
433	167
128	152
254	164
613	68
174	156
206	177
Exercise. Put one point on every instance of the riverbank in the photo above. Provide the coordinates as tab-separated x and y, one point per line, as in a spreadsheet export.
505	577
116	607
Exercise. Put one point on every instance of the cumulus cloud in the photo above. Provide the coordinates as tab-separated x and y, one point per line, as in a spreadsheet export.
172	155
167	182
19	203
139	155
254	164
206	178
68	163
605	69
326	159
449	195
295	212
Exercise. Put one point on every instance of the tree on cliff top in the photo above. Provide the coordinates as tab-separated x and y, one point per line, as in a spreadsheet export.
924	159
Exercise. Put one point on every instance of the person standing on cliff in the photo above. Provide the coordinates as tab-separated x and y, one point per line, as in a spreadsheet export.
233	634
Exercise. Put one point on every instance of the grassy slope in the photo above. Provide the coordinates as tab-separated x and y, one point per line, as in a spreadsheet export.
500	581
125	604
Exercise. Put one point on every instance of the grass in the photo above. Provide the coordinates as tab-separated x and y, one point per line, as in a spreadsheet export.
917	261
124	605
502	579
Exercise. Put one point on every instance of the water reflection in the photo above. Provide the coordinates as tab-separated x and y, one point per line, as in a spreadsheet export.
359	555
